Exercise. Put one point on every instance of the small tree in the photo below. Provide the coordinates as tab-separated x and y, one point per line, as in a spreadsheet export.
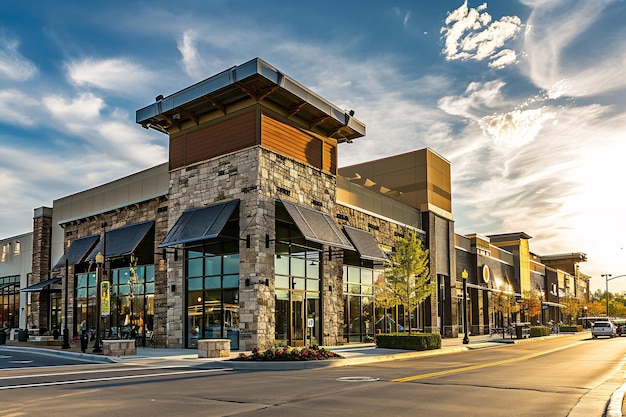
532	302
407	275
570	308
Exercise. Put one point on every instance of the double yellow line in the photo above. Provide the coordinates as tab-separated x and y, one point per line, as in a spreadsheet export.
482	365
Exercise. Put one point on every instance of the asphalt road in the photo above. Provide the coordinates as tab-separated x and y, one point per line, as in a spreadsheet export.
546	378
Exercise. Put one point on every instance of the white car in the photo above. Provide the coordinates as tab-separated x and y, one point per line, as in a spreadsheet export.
603	328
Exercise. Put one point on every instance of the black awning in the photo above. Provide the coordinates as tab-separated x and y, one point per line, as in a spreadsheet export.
200	223
5	285
365	244
42	285
317	226
77	251
122	241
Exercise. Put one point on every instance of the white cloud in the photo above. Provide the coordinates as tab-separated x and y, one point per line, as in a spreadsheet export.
13	65
477	100
192	61
562	61
114	74
470	34
17	108
404	15
503	58
76	115
516	128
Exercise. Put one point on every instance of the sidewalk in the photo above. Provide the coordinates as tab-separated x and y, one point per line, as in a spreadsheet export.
353	354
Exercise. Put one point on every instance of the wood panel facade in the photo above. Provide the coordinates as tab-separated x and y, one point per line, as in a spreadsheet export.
298	144
206	142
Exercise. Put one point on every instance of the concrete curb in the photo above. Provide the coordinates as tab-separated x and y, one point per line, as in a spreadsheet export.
87	357
614	408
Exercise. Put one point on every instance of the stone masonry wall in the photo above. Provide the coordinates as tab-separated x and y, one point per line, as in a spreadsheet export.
226	177
257	177
42	241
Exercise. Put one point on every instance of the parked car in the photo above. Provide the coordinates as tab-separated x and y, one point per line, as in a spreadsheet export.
620	328
603	328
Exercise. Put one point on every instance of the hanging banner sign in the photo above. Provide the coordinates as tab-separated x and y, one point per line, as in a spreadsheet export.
105	299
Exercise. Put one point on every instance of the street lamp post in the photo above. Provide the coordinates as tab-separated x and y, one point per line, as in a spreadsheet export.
606	277
464	275
99	268
609	277
66	331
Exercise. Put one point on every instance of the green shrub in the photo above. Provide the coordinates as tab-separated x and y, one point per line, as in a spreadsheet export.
413	341
572	328
537	331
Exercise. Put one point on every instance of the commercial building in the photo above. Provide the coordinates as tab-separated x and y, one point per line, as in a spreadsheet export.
251	232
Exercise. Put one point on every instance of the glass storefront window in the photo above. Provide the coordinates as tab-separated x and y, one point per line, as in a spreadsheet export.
194	267
213	292
132	303
298	267
281	265
231	281
231	264
281	282
212	266
359	300
194	284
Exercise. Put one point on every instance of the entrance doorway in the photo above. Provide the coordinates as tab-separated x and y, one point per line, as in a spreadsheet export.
293	311
298	317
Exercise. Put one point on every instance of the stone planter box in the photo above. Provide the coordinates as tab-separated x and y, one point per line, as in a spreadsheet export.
214	348
119	347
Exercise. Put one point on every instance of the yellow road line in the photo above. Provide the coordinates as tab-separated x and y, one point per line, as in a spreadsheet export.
482	365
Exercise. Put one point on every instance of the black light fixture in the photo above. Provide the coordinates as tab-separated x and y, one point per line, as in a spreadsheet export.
464	276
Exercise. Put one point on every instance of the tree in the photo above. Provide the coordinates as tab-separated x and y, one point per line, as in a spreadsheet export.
570	308
532	302
407	276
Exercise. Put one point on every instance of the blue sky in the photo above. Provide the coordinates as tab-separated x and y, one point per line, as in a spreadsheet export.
526	99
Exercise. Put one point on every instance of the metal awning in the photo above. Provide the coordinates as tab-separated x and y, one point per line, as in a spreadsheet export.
365	244
77	251
317	226
42	285
122	241
200	223
6	285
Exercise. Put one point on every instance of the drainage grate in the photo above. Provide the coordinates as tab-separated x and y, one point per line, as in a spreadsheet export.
358	379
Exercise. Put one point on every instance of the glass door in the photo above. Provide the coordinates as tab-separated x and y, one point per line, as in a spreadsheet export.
298	318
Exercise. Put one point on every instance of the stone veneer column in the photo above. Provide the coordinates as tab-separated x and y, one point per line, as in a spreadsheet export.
256	284
42	243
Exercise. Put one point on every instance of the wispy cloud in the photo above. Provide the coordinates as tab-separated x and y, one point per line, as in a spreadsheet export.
13	65
405	15
192	61
470	34
121	75
554	43
17	108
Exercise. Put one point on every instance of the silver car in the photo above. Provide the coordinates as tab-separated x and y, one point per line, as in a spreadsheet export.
603	328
